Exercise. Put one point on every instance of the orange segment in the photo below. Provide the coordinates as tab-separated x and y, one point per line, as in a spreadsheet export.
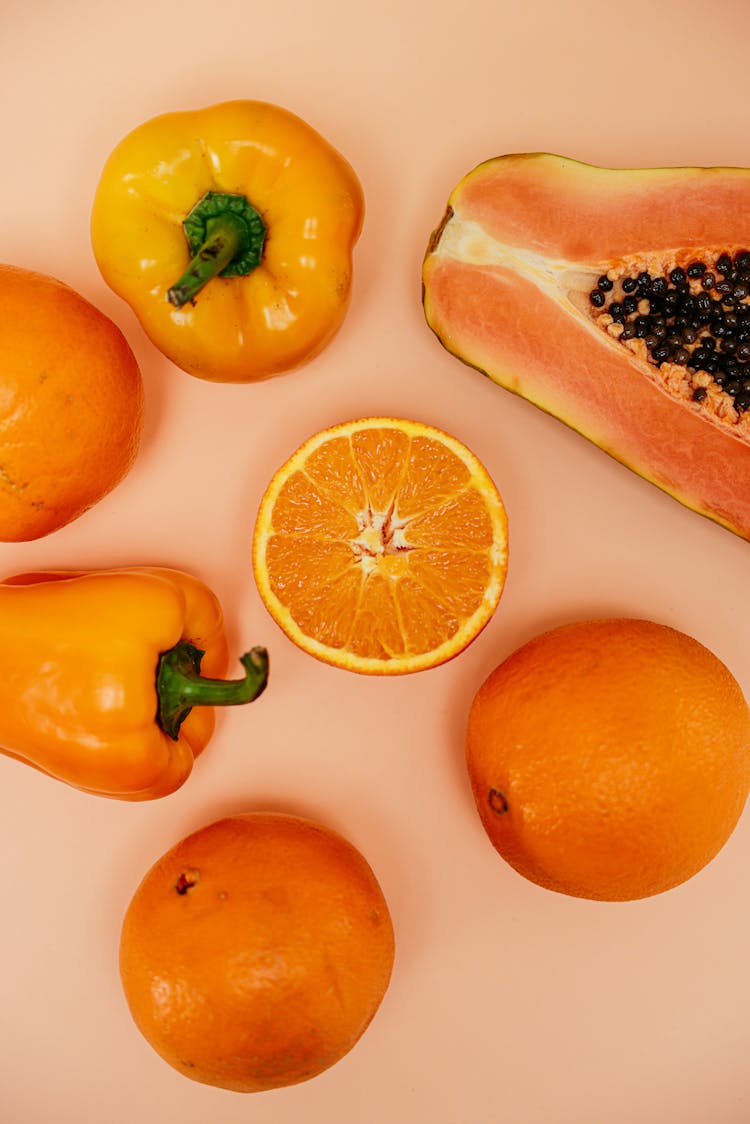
333	468
375	633
380	453
381	546
317	583
434	474
462	522
304	508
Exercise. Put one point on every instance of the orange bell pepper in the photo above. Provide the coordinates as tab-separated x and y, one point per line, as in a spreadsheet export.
230	231
101	683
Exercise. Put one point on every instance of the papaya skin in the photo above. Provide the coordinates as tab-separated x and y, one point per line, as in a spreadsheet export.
505	282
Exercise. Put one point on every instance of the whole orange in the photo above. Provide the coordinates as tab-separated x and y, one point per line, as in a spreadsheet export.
255	953
71	404
609	759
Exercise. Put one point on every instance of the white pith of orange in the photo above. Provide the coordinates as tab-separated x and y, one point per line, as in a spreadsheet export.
357	513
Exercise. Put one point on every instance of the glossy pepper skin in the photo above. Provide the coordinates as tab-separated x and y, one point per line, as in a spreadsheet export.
81	655
277	276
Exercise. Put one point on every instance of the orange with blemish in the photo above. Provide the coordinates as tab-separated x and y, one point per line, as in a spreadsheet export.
609	759
255	953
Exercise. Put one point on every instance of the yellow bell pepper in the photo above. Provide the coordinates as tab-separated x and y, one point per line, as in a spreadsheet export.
100	674
230	232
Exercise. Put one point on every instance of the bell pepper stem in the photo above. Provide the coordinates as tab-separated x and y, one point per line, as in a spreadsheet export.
180	685
225	239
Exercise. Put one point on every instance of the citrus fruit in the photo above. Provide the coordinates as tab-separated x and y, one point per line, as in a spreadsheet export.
381	546
609	759
71	405
255	952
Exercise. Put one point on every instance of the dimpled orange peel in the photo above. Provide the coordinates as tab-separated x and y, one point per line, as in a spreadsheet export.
609	759
71	410
255	953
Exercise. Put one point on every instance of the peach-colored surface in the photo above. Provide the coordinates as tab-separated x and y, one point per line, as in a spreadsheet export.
508	1003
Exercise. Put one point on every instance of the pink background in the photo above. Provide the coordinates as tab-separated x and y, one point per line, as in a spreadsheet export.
507	1003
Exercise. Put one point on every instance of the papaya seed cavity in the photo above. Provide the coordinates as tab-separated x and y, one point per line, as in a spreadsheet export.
687	314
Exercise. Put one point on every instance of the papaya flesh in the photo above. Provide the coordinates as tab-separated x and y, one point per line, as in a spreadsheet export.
528	278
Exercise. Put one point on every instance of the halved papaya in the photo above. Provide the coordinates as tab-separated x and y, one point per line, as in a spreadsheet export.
616	300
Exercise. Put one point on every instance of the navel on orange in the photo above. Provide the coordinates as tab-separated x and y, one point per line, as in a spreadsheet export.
609	759
71	406
381	546
255	953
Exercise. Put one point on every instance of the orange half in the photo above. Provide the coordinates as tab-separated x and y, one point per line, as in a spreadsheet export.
381	546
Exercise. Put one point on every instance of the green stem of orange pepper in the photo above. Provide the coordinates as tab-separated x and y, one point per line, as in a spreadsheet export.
180	685
225	236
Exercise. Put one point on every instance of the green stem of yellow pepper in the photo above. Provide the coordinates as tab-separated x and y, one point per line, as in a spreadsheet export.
180	685
225	237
